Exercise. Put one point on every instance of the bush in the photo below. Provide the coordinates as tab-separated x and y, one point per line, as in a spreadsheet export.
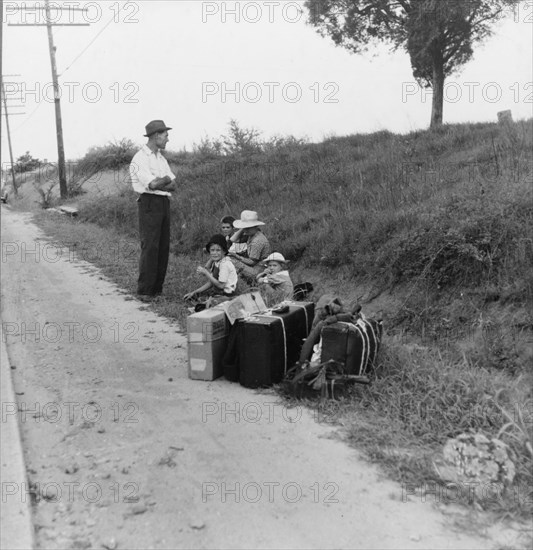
113	156
26	163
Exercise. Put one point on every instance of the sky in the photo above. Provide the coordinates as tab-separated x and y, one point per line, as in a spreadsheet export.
197	65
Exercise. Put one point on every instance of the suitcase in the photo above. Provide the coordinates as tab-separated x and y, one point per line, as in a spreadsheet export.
270	343
207	336
353	344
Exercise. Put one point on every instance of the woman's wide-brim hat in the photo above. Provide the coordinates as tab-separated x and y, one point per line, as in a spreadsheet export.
276	257
220	240
154	127
248	219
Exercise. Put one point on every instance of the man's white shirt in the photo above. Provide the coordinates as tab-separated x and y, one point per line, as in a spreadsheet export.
145	167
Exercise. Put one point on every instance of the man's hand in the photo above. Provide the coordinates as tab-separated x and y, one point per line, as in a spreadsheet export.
171	186
158	183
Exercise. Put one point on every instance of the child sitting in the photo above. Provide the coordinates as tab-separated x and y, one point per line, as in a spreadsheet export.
236	241
221	276
227	231
275	281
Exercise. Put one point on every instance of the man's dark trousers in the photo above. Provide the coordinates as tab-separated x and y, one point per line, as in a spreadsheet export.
154	230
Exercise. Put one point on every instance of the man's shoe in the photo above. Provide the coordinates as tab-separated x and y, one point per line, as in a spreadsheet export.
145	297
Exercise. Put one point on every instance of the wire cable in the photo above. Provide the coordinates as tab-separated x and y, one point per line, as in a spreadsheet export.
88	46
15	130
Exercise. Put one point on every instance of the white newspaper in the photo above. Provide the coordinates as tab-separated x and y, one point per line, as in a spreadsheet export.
243	306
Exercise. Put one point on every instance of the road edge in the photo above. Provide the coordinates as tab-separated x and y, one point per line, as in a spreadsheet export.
15	512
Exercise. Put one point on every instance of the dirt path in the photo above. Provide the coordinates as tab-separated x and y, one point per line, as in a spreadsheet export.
126	452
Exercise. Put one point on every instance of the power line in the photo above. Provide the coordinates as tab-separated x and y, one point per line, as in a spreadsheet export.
59	124
28	118
88	46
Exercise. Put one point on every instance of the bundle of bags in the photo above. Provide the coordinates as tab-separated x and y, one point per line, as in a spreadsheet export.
331	346
340	351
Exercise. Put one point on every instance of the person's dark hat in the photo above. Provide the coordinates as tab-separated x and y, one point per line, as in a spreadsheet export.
220	240
155	126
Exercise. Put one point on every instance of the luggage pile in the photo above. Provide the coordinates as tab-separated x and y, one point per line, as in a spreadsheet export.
344	355
310	353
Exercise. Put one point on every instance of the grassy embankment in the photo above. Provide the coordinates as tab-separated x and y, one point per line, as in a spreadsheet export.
434	229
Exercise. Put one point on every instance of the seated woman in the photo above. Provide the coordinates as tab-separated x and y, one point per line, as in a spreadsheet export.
221	277
275	282
248	263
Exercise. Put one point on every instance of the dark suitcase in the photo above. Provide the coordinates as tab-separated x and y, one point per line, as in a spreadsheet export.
270	344
353	344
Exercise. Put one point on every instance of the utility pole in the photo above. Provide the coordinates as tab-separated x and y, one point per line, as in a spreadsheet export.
7	115
15	190
62	172
1	75
57	94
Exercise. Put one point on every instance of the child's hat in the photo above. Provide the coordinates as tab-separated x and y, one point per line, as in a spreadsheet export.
276	257
220	240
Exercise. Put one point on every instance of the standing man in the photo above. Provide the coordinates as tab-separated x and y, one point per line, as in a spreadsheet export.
152	178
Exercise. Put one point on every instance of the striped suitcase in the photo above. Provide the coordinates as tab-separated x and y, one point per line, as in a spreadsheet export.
353	344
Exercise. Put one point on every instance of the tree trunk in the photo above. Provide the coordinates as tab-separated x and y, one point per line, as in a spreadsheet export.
438	92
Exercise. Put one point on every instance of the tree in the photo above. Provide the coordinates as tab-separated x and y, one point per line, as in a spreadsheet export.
26	163
241	140
439	35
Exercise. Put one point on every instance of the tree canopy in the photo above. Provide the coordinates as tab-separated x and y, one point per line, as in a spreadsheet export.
439	35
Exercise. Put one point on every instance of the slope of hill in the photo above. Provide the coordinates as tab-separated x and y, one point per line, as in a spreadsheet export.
433	229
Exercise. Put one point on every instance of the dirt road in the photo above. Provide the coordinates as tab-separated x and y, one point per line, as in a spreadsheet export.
124	451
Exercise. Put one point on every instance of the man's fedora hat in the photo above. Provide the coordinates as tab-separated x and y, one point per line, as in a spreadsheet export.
155	126
248	219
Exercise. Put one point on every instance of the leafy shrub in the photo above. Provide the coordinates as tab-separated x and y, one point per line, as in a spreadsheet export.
113	156
25	163
46	194
241	140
